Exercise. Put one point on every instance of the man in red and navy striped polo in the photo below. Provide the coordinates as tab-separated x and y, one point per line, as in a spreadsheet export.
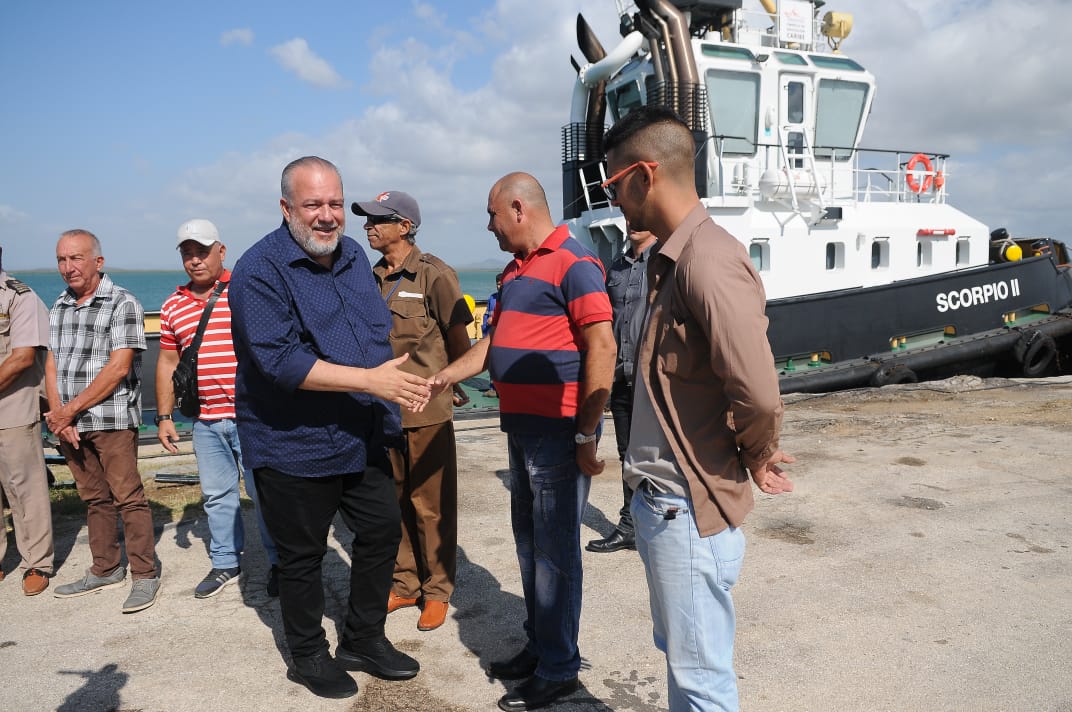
219	454
551	358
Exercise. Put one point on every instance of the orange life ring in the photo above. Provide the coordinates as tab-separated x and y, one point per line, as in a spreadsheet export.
910	177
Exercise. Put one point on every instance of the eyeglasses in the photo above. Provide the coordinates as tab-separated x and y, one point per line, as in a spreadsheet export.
383	219
608	185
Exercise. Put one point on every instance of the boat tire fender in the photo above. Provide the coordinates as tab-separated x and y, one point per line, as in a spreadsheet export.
910	177
1035	351
892	375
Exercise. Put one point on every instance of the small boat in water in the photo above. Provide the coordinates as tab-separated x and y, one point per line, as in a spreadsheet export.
872	277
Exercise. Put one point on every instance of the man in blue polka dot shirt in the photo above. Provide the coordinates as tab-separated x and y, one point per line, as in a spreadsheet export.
318	392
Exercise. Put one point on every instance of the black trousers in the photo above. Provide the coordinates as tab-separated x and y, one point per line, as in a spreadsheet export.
298	512
621	410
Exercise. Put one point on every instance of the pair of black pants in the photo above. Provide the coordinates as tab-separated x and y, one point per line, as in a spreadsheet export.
298	512
621	410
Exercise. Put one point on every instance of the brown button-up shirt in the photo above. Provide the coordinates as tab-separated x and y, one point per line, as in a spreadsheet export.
425	300
707	362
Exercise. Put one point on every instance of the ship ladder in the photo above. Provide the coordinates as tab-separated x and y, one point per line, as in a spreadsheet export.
594	187
807	155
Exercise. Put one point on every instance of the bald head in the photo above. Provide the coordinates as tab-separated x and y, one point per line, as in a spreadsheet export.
524	188
655	133
518	213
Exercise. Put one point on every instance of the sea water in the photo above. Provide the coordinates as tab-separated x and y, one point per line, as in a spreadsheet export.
152	287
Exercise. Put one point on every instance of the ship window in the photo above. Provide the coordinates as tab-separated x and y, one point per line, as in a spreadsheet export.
734	101
787	58
828	62
963	251
794	105
880	254
839	109
723	52
835	255
794	146
760	254
624	99
924	252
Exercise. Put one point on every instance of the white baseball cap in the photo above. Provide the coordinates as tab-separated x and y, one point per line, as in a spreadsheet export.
198	230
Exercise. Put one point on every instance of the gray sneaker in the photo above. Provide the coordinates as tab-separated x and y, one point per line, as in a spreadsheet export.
91	584
143	594
215	581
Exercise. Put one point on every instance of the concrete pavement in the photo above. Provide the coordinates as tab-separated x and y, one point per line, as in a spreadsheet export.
923	563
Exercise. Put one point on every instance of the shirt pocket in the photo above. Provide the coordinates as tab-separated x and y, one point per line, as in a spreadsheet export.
409	323
683	346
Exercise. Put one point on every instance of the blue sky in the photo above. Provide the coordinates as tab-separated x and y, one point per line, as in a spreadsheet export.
127	118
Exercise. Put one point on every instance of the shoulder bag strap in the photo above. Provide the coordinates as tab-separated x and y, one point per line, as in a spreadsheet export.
196	343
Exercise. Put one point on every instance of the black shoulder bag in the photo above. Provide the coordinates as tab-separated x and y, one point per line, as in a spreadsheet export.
184	377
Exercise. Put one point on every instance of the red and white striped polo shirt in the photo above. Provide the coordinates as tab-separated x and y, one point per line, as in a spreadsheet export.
216	364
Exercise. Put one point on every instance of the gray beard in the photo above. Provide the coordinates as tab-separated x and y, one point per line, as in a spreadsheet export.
313	246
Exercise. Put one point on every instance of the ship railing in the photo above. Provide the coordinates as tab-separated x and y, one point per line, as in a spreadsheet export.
835	173
887	175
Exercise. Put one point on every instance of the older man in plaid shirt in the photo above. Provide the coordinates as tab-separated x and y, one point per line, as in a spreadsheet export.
93	380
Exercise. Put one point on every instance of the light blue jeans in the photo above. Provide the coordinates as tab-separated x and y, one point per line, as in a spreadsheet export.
219	458
548	494
689	581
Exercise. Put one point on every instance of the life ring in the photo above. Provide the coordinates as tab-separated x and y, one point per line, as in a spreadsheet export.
910	177
1035	351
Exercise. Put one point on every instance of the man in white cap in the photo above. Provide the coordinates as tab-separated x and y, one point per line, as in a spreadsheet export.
219	455
429	322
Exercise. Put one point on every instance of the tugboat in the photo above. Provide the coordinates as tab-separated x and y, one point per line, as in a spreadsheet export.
872	277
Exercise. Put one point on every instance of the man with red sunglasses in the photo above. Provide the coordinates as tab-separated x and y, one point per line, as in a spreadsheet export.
706	407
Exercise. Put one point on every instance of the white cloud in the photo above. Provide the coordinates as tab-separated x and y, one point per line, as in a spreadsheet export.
10	215
296	57
959	80
240	36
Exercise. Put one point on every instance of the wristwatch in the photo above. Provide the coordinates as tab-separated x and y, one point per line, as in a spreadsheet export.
582	439
162	416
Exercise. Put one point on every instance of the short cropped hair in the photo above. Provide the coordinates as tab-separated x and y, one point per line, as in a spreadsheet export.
285	182
654	133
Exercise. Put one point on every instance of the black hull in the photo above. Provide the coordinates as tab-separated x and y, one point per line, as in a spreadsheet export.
852	329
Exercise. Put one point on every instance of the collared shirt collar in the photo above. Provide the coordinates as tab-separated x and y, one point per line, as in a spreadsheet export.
673	246
409	265
104	288
554	241
184	289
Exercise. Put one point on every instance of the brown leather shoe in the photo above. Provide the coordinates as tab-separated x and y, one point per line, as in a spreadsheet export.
34	581
433	615
395	602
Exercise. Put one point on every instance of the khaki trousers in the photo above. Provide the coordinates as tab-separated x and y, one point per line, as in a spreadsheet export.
105	468
426	479
25	482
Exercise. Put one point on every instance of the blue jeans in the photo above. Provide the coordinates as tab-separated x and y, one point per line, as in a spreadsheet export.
548	494
219	458
689	581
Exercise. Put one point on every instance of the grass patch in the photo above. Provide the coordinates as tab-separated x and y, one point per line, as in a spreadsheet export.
168	502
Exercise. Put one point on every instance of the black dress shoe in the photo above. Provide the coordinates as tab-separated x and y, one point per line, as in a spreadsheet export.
537	692
377	657
615	542
323	676
518	667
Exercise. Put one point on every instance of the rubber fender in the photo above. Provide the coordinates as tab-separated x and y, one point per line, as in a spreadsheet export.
892	375
1035	351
